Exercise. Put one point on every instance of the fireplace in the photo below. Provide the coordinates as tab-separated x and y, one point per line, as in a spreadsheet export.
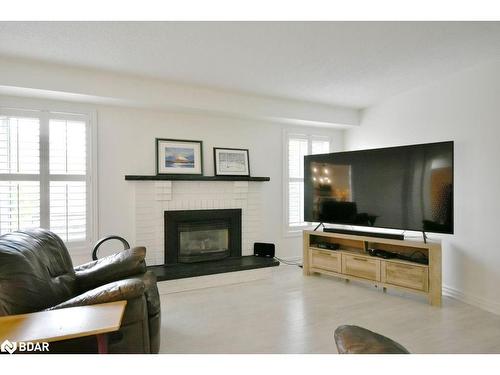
193	236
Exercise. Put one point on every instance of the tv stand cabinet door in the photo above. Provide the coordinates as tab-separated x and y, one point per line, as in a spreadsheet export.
406	275
360	266
326	260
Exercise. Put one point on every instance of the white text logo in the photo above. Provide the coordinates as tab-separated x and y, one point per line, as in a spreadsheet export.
8	346
11	346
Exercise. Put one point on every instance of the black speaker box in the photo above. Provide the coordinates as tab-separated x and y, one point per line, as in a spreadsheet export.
261	249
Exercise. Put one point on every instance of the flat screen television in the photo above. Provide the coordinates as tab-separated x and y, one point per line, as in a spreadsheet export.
407	188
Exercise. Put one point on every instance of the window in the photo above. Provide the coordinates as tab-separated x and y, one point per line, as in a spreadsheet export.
298	146
45	173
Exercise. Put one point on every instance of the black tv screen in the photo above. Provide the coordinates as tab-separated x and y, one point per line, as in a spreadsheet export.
408	188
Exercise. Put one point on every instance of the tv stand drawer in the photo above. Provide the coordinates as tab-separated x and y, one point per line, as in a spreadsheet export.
406	275
326	260
361	266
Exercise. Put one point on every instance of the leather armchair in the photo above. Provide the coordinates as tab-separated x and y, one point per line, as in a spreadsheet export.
36	273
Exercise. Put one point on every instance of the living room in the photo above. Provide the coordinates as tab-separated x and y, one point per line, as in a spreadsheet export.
260	187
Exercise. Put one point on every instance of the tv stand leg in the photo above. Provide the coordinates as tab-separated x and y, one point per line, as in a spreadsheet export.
305	255
434	299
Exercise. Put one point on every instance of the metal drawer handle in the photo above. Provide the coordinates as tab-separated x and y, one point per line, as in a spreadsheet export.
360	259
326	253
405	266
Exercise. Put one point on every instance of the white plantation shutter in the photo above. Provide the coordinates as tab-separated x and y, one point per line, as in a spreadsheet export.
298	147
19	145
19	205
67	147
68	199
296	203
44	179
68	209
19	156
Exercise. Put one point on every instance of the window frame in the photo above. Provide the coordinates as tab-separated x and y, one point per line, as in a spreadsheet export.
296	230
45	112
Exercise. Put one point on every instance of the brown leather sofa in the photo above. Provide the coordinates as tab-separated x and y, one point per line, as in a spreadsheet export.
36	273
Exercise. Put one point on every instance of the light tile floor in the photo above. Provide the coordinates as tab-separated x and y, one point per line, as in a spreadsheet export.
290	313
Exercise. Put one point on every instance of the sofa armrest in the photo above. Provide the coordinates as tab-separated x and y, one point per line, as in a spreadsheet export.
116	291
111	268
150	291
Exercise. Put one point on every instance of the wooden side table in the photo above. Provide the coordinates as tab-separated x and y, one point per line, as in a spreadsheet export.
64	324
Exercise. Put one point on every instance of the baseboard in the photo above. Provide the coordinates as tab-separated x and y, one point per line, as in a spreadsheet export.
482	303
209	281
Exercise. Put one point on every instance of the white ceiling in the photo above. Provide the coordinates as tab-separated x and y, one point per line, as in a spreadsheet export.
353	64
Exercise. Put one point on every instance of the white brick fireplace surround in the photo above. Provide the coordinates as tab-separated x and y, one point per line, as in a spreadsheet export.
153	198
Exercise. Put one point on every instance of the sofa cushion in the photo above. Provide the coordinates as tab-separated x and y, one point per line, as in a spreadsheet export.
36	271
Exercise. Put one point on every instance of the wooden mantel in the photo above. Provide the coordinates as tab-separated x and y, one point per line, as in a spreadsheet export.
192	178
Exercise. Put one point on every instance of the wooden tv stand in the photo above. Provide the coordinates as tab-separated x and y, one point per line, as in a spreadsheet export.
352	262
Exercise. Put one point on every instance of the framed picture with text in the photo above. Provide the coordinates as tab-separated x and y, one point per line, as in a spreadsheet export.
231	162
179	156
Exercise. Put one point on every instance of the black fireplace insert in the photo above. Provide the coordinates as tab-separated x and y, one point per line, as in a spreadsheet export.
202	235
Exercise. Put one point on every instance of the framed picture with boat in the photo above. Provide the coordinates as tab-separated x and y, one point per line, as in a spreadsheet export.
179	156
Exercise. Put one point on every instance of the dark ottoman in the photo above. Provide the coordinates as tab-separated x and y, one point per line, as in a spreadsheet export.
358	340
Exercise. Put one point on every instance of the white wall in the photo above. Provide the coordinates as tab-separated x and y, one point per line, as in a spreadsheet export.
126	145
464	108
132	111
126	140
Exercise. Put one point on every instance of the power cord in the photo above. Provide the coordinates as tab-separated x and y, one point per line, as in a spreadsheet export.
418	252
